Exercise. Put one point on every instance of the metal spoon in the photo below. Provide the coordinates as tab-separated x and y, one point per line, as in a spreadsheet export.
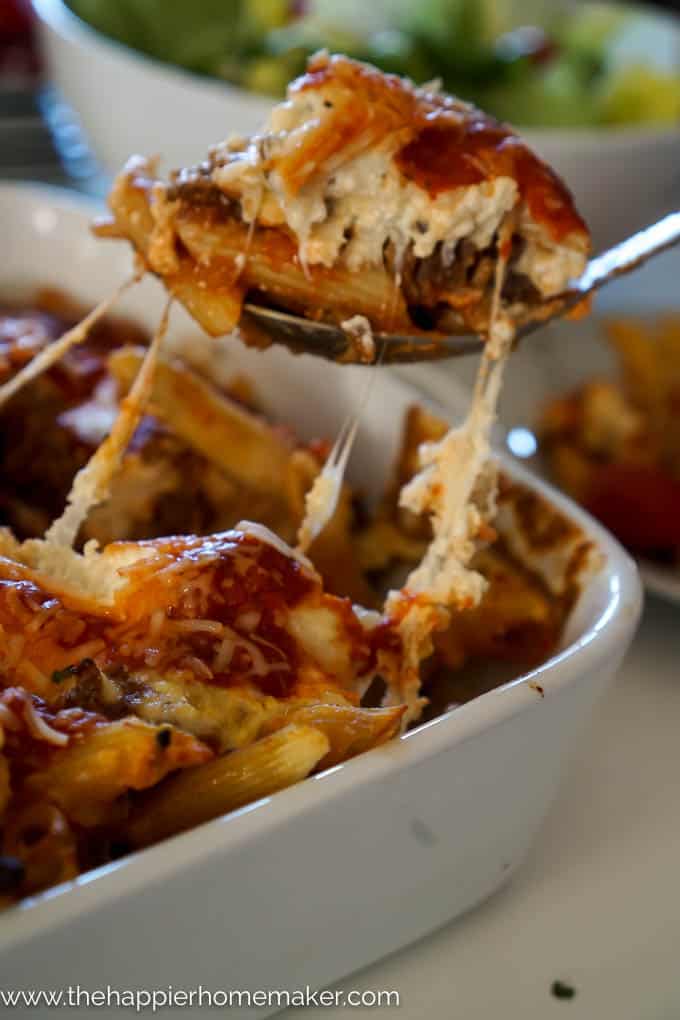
329	341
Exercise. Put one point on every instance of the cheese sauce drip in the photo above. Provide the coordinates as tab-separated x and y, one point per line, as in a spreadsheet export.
92	484
457	487
321	500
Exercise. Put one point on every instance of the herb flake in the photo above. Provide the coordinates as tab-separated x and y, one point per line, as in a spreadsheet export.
163	737
60	675
561	990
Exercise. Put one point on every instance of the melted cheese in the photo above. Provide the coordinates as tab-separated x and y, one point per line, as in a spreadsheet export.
355	200
92	484
228	717
321	500
369	197
358	330
263	534
549	266
320	503
16	705
225	607
456	486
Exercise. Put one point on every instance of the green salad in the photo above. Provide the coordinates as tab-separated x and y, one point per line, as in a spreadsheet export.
535	63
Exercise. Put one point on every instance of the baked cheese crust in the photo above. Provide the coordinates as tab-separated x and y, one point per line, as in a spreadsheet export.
363	195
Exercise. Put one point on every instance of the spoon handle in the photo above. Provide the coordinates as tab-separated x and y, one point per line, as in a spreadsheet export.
629	254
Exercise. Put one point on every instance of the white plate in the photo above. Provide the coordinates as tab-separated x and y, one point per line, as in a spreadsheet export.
314	882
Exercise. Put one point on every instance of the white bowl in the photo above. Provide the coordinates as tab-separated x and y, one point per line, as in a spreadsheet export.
312	883
622	179
129	103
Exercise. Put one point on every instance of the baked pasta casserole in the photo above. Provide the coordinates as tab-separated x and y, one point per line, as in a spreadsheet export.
196	610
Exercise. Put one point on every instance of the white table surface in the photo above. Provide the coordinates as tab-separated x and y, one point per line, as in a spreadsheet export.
597	903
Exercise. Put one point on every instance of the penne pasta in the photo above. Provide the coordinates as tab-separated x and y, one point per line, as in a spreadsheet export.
271	265
238	441
350	730
41	839
227	783
210	295
614	443
222	264
639	363
86	778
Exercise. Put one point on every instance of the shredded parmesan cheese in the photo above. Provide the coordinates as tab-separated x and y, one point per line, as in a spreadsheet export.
36	726
39	729
259	665
263	534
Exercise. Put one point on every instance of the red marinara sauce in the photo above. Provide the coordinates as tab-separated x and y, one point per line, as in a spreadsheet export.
455	150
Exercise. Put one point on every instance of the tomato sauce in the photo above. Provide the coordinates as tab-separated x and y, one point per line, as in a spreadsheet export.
453	153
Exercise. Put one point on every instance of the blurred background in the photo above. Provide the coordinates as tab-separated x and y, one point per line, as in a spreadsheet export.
595	86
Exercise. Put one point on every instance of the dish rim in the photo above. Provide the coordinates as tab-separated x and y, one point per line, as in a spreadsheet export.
590	650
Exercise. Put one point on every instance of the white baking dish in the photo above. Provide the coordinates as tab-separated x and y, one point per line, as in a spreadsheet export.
306	886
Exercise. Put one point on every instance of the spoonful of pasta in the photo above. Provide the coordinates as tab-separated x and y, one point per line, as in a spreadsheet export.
369	218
